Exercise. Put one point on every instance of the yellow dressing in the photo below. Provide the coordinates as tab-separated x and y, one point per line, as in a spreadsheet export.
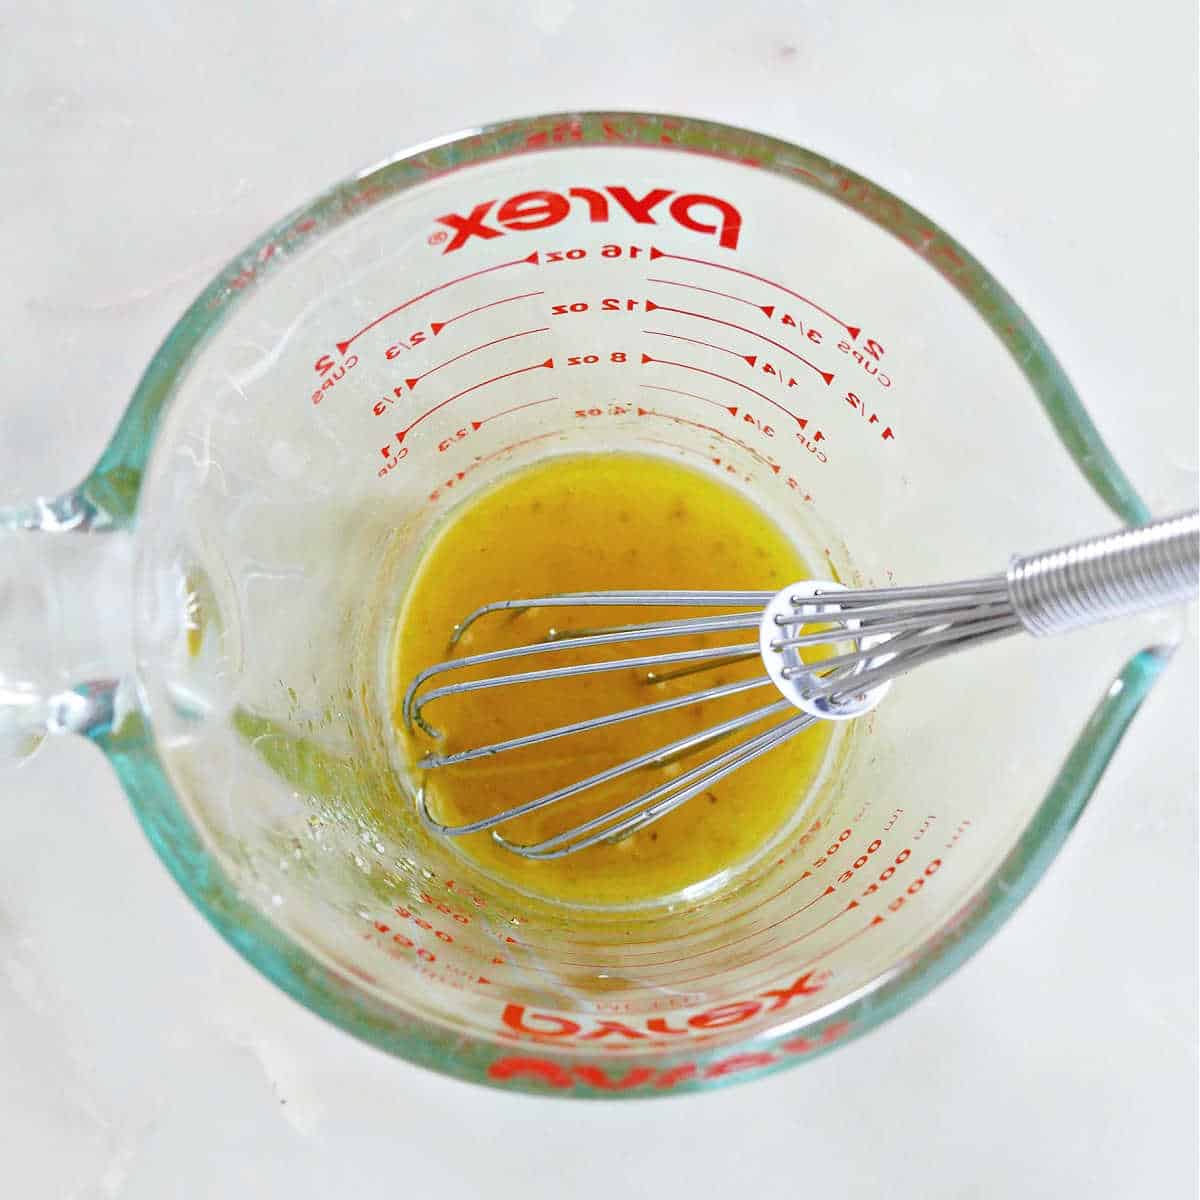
591	523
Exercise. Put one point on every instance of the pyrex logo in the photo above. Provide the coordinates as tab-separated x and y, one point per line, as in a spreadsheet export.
541	1026
607	1077
696	211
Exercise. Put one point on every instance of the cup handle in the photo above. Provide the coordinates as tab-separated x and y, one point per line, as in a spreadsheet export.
66	626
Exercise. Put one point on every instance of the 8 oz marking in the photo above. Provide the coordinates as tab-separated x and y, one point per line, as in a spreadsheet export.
588	360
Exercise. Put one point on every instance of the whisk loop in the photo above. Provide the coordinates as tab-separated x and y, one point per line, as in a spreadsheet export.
874	635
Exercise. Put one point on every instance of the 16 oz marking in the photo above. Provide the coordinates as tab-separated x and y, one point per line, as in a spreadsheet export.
611	250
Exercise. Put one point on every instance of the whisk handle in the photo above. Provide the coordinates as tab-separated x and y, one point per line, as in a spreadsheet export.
1106	577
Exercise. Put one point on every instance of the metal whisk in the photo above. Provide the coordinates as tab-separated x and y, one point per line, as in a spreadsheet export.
878	634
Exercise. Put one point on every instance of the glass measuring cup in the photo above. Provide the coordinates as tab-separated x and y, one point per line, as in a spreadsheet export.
570	284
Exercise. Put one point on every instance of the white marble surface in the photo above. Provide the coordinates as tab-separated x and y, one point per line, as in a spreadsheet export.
142	143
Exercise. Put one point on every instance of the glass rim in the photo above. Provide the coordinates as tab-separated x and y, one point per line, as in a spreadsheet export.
111	492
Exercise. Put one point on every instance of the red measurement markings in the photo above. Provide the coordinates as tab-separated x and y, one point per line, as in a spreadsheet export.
894	906
801	421
457	478
667	962
843	838
675	982
962	828
873	923
613	410
507	411
852	330
750	450
441	287
651	306
436	327
767	309
912	889
462	951
479	462
762	459
871	418
403	433
670	444
412	383
749	359
654	387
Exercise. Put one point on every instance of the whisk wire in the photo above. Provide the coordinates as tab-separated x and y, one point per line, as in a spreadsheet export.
712	656
411	708
629	714
615	599
651	758
901	662
659	801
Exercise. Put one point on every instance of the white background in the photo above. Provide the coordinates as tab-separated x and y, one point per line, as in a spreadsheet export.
142	144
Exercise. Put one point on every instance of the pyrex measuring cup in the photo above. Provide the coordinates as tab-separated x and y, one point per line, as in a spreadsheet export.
213	605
